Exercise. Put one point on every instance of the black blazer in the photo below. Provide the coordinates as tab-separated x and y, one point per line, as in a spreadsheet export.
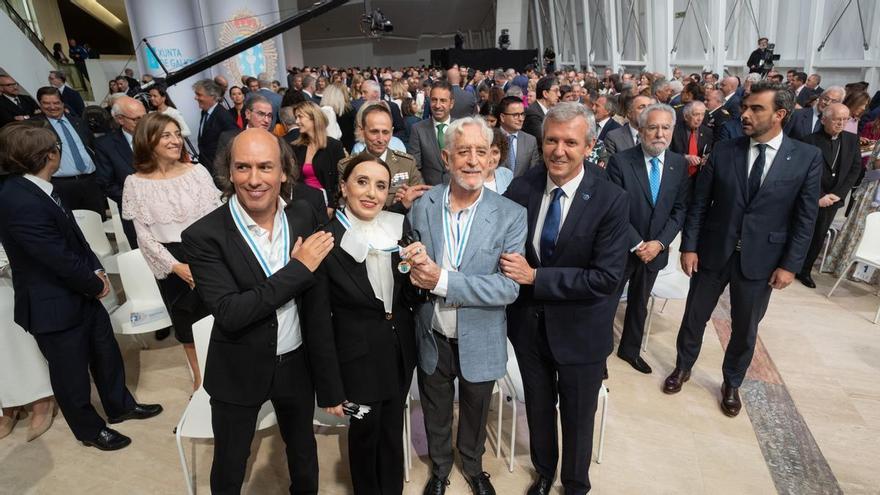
73	101
53	266
533	120
365	340
82	130
648	222
575	289
8	110
681	135
114	162
209	139
241	358
233	113
325	163
800	125
609	126
775	227
849	163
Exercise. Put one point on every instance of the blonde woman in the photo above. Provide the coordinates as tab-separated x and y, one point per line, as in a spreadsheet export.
336	100
317	153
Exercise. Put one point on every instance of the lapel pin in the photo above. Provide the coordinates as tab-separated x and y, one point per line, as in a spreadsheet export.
788	157
585	196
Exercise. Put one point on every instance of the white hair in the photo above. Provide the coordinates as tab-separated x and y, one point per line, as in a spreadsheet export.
676	85
691	107
456	129
568	111
656	107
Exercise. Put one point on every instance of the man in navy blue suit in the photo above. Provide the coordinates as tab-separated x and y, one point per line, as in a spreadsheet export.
561	324
657	183
749	226
71	98
58	284
808	120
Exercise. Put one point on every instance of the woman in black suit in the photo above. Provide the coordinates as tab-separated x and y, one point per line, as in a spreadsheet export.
317	153
372	323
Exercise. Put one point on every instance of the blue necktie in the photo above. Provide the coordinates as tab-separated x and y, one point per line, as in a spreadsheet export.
655	179
551	226
74	149
511	145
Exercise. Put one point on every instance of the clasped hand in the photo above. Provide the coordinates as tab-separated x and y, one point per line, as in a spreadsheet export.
425	274
648	251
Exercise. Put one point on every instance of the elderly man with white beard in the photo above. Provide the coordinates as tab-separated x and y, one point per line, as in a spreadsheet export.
461	330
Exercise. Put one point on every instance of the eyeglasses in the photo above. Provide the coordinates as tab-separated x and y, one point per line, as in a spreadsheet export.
133	119
9	84
262	115
515	115
827	99
59	146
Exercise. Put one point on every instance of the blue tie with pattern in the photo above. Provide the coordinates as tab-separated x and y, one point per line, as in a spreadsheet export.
655	179
511	145
551	226
74	149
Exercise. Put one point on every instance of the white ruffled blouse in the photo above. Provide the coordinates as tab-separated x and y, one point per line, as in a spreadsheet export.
373	243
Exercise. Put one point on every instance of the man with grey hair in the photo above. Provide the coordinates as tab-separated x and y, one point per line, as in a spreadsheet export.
265	82
461	330
676	87
69	96
309	87
692	137
371	91
561	324
604	108
213	122
657	182
806	121
661	90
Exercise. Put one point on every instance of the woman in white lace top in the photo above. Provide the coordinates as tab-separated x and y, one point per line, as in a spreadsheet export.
163	197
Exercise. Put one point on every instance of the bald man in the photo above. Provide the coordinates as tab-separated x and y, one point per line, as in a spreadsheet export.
732	98
113	155
842	158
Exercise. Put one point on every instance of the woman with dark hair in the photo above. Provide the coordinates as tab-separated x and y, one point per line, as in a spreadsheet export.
236	94
495	176
162	103
409	108
317	153
58	54
163	197
489	112
370	297
857	102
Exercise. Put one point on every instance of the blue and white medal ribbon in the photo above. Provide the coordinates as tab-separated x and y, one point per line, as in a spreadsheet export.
242	229
456	238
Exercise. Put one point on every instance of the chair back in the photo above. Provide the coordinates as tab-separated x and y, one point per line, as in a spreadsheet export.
869	246
202	337
93	229
138	283
122	244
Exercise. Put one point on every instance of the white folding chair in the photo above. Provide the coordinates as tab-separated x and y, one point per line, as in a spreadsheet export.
671	283
143	311
196	419
122	244
868	252
93	229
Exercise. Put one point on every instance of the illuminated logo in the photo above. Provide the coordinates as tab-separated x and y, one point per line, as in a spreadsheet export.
260	58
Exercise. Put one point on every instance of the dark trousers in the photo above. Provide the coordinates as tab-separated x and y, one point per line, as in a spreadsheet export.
81	192
577	390
748	303
293	397
641	281
375	450
71	354
437	392
130	234
823	222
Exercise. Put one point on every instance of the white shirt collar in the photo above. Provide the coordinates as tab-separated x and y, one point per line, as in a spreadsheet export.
634	132
774	143
604	121
569	188
437	122
661	157
469	209
43	184
128	137
545	109
252	225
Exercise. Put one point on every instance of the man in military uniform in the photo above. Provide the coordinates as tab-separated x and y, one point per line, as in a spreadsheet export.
376	126
716	115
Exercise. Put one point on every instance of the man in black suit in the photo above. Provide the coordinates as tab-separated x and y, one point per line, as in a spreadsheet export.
561	324
75	181
806	121
656	181
842	161
58	285
309	86
760	60
547	95
627	135
213	122
14	106
730	93
749	226
114	157
71	98
798	85
428	137
124	85
692	138
604	108
271	316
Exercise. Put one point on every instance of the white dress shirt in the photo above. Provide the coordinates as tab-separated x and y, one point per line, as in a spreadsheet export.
568	191
769	154
445	318
816	117
635	134
273	251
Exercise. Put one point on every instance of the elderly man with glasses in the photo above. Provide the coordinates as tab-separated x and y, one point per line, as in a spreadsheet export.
14	106
808	120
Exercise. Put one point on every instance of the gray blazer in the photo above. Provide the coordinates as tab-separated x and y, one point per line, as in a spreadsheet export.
619	139
479	290
424	148
527	153
465	103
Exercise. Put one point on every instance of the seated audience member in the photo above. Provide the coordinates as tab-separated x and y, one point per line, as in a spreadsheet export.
163	197
58	285
253	262
495	177
373	331
162	103
317	153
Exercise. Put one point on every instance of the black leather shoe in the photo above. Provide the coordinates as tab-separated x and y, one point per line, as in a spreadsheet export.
163	334
674	381
541	487
806	279
605	373
108	439
480	484
730	402
436	486
140	411
638	363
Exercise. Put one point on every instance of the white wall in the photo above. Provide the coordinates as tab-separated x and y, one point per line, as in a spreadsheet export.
21	59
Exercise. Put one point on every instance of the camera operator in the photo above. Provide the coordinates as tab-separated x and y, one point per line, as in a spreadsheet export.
761	60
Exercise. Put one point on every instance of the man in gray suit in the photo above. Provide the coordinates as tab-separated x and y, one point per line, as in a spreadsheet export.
465	103
627	136
523	147
461	331
427	136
